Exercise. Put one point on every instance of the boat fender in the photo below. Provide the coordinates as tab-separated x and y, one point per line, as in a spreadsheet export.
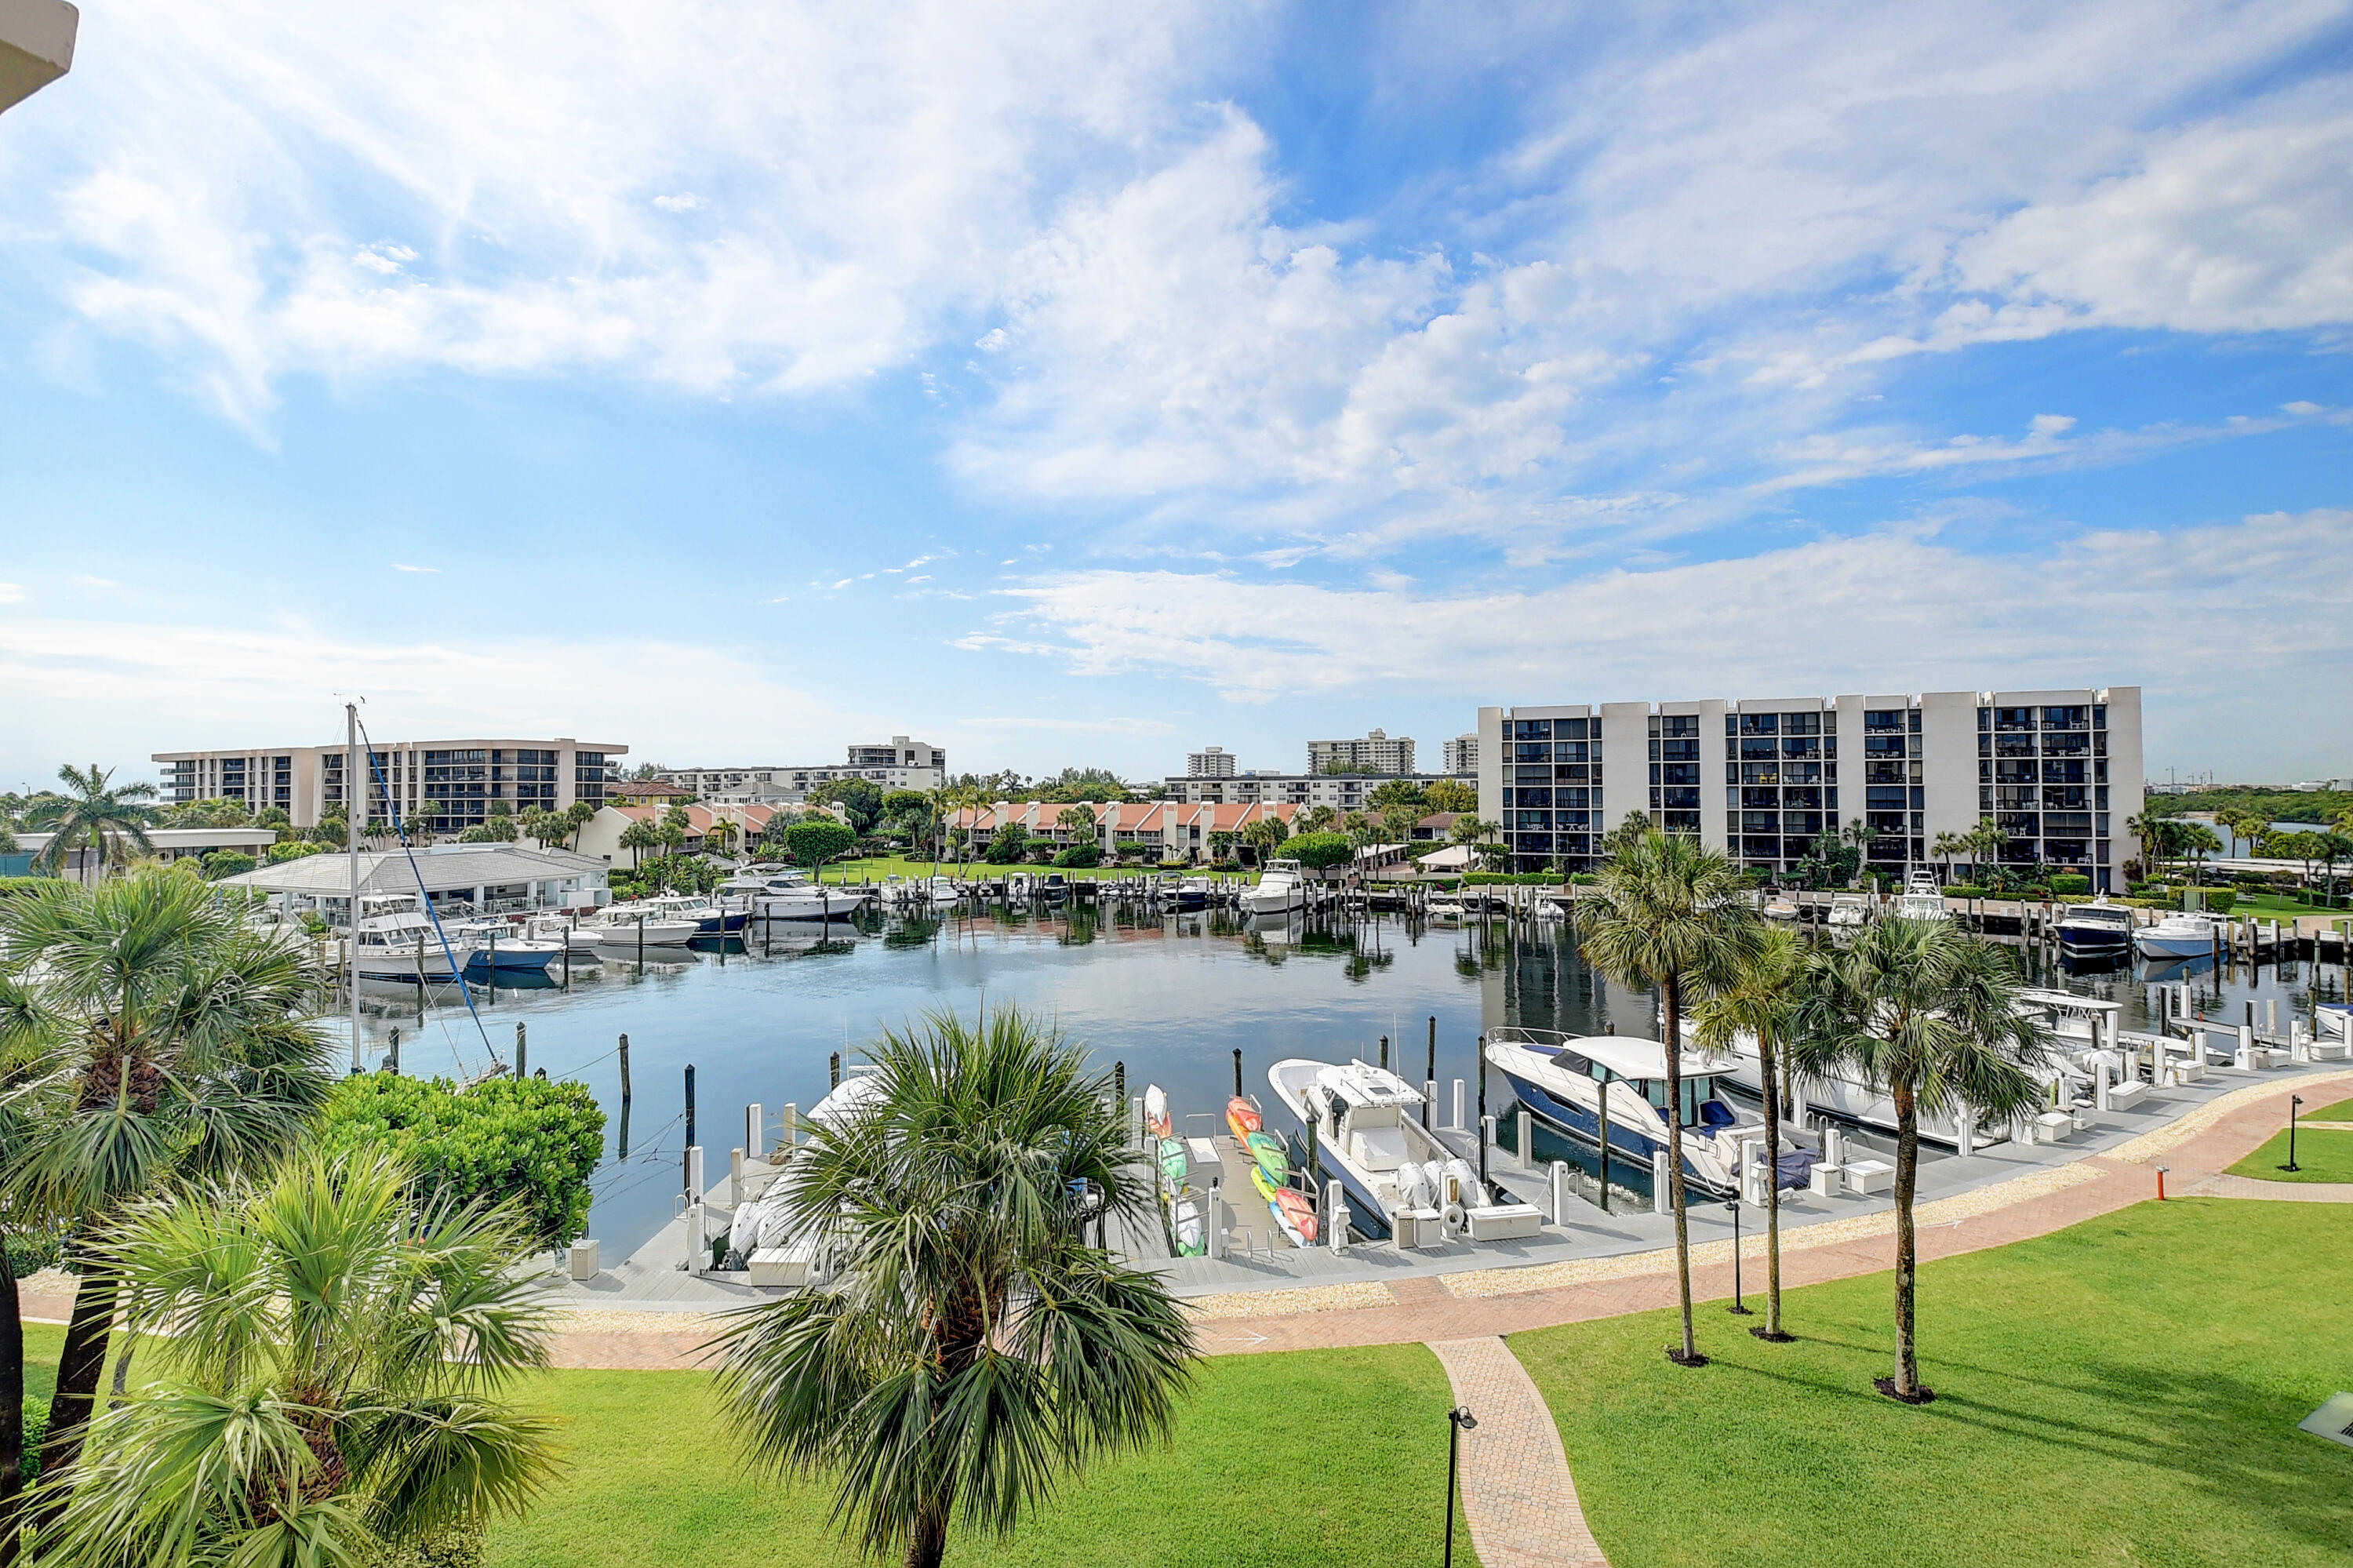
1453	1215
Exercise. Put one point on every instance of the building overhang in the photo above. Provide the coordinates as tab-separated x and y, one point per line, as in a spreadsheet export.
36	45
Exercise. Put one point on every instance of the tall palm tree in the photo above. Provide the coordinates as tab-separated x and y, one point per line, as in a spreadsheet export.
97	815
22	1019
1928	1015
1946	846
1758	995
169	1044
976	1347
332	1346
1664	912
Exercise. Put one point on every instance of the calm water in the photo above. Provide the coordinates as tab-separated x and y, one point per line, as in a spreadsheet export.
1172	998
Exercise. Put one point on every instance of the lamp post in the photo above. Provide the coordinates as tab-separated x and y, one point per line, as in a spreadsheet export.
1738	1307
2293	1101
1459	1420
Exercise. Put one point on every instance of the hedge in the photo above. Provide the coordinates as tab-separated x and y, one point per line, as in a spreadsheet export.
532	1142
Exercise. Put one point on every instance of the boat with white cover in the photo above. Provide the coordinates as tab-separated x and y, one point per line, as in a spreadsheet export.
2179	936
1567	1079
764	1234
1282	887
624	924
789	895
497	944
1391	1167
1849	912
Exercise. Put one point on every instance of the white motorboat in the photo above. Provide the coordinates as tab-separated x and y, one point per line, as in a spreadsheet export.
789	895
1855	1099
942	891
1780	909
1849	912
1921	899
2189	936
1193	892
796	1247
2098	927
626	925
497	944
2072	1024
711	916
1282	887
581	939
1567	1079
1393	1170
1445	911
396	940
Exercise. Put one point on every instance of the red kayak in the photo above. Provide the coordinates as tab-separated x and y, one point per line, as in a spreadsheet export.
1242	1117
1297	1210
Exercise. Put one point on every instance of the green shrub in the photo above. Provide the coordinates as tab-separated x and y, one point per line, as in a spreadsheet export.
36	1426
532	1142
31	1251
228	863
2221	900
1081	855
1321	851
1582	879
1965	890
2065	887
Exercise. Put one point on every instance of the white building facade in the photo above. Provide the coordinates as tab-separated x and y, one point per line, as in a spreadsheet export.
446	786
1209	762
898	763
1341	792
2059	772
1375	753
1460	757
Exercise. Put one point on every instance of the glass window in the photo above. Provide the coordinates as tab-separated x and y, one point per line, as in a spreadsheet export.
1681	773
1760	799
1882	721
1679	750
1570	729
1801	823
1760	724
1812	798
1673	725
1759	773
1805	745
1536	797
1683	800
1523	752
1758	746
1760	822
1539	775
1532	729
1681	821
2066	718
1802	723
2011	720
1573	772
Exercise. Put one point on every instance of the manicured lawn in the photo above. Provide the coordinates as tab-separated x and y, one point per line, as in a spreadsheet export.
1331	1456
2123	1391
2341	1111
2320	1156
876	870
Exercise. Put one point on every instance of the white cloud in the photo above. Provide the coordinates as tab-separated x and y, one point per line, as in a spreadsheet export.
403	567
686	201
1903	609
12	593
86	580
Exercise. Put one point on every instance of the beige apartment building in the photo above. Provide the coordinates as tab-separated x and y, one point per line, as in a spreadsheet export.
443	786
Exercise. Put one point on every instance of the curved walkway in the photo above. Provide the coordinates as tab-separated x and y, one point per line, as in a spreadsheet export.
2230	1186
1517	1495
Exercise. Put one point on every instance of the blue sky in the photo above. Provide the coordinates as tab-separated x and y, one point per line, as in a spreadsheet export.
1068	386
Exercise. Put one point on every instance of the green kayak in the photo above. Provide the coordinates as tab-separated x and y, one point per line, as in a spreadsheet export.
1174	1164
1267	1150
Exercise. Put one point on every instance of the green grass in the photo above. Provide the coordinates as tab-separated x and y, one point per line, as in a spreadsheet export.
2320	1156
2341	1111
1326	1456
2123	1391
971	870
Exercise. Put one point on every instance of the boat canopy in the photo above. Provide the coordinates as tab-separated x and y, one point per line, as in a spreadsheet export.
1362	1085
2068	1001
1624	1055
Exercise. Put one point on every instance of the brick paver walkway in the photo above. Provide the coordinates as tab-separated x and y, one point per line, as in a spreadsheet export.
1517	1495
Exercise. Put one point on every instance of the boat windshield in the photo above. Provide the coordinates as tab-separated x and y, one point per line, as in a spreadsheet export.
1697	1091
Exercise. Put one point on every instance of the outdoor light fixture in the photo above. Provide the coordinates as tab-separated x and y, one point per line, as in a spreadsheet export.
1459	1420
1738	1307
2293	1101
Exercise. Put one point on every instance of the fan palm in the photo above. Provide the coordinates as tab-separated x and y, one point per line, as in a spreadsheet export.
1758	995
331	1352
1664	911
976	1348
97	815
637	838
1926	1014
168	1044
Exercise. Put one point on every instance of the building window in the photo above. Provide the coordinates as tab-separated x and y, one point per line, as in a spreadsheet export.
1532	729
1760	724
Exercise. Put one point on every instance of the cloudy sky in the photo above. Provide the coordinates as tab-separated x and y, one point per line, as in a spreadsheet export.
1073	384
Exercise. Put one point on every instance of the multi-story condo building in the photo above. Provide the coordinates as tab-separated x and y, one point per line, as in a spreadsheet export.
1375	753
1460	757
1209	762
444	785
2059	772
1341	792
898	763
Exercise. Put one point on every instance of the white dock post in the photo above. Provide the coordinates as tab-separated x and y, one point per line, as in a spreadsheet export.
1429	1098
756	1131
1525	1136
2100	1088
1967	1120
1135	1121
698	1245
1663	1197
1213	1225
1560	1191
789	1127
1458	1123
2246	1059
734	1178
694	1188
1338	1235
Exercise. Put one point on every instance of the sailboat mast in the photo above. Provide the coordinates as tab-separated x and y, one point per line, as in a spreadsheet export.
354	802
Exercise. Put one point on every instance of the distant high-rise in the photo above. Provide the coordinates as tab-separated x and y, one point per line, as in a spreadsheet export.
1460	757
1375	753
1209	762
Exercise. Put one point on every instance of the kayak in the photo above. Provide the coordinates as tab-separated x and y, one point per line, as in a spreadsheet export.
1175	1166
1242	1117
1189	1230
1156	1111
1290	1209
1272	1159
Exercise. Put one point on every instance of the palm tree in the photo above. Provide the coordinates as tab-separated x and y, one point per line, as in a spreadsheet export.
720	836
975	1348
1986	841
2198	840
1946	846
95	815
1758	996
170	1046
1926	1014
331	1347
1662	912
637	838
